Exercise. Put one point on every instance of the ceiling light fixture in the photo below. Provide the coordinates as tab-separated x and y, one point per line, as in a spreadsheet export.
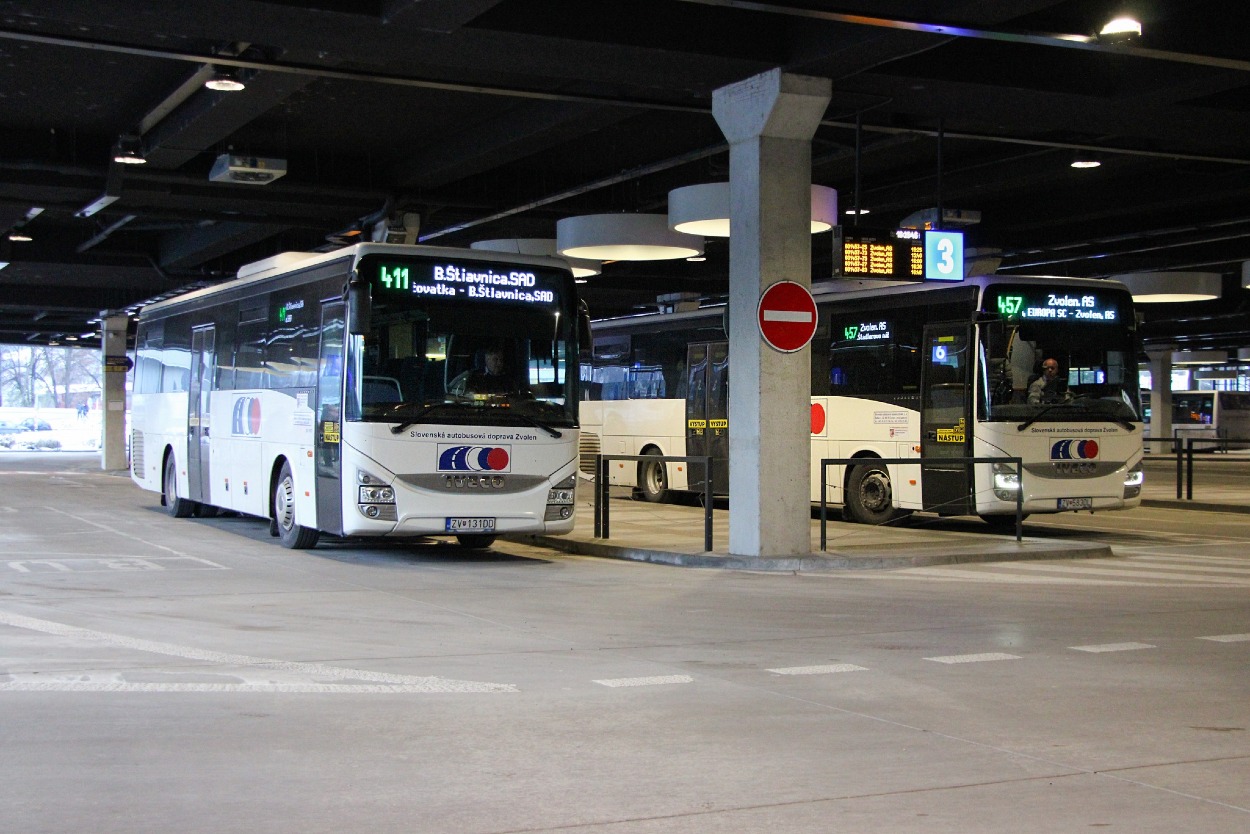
1084	160
1171	287
542	246
1120	30
623	237
225	80
20	237
704	209
128	151
852	212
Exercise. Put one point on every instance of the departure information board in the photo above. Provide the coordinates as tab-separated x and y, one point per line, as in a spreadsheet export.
899	254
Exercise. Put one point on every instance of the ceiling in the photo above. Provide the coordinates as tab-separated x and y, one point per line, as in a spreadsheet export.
495	118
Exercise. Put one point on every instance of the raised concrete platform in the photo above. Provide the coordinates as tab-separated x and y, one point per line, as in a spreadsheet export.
673	535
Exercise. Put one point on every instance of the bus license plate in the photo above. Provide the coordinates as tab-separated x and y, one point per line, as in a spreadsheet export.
470	525
1076	503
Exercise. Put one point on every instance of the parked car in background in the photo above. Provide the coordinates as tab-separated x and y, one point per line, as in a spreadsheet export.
10	428
34	424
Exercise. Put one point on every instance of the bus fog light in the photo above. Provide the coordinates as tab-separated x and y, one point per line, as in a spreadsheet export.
372	512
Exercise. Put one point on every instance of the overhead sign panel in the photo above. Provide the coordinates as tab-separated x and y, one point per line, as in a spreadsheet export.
899	254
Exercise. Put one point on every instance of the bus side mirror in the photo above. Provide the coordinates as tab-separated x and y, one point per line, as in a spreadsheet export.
359	308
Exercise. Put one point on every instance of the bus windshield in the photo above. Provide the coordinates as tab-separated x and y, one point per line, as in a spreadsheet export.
1058	356
475	348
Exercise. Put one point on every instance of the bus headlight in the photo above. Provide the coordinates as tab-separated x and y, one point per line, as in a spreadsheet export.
375	499
560	500
1006	482
1133	481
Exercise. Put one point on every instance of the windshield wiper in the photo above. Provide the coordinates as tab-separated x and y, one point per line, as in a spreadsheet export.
416	418
551	430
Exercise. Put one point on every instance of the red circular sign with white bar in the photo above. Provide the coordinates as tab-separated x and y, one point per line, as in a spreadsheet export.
787	316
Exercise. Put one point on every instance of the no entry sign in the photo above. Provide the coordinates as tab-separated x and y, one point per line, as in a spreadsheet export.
787	316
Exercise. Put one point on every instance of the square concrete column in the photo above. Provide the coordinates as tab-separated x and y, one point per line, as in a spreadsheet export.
769	121
1160	397
113	424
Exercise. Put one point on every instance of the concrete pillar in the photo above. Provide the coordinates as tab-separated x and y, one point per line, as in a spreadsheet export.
113	356
1160	397
769	121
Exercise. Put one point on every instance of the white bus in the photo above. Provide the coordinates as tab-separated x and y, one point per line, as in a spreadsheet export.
326	393
925	371
1221	417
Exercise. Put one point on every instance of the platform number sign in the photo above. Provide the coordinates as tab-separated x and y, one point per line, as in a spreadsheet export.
943	256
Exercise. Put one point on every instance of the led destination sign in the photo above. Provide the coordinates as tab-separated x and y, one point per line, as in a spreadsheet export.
888	253
463	281
1035	305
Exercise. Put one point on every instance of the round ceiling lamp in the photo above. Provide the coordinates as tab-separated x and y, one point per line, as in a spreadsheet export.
542	246
1171	287
623	237
704	209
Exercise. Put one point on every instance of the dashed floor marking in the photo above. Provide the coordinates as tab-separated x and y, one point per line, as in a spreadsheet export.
657	680
1113	647
973	658
830	669
392	682
1227	638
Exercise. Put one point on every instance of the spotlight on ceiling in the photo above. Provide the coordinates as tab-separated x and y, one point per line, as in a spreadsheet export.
128	151
1085	160
623	237
704	209
1121	30
1171	287
225	80
19	237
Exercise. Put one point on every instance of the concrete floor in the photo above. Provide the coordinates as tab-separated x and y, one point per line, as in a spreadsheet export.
162	674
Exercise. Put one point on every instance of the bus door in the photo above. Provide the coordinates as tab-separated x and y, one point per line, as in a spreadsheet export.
329	411
946	418
707	412
199	475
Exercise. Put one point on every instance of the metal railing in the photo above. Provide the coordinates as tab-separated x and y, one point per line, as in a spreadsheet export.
1183	450
602	527
825	463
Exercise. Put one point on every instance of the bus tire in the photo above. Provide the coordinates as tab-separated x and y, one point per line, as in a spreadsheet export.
870	495
292	535
476	541
175	506
652	479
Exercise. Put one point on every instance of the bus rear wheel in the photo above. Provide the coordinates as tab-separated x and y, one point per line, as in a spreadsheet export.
870	495
292	535
652	479
175	506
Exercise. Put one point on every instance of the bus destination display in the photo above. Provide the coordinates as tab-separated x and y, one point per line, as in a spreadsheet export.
1054	306
464	281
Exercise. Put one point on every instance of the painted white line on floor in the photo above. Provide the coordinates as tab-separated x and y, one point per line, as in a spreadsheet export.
284	688
419	682
1113	647
1227	638
657	680
831	669
974	658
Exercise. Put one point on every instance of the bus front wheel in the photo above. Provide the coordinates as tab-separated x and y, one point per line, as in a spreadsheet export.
652	479
870	495
175	506
290	532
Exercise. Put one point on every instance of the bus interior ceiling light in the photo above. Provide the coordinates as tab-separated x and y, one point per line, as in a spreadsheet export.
542	246
704	209
1171	287
624	237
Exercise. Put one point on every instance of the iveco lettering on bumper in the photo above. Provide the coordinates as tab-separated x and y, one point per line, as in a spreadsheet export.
474	458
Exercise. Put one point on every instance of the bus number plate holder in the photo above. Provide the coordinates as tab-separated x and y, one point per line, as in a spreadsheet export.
470	525
1076	503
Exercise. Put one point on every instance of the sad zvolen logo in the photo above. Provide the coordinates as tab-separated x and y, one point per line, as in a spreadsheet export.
473	458
1074	450
246	417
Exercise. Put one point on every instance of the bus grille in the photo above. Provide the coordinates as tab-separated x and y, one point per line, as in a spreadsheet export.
588	449
136	453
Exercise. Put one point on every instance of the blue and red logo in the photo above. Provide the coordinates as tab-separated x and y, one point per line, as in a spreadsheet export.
474	458
1074	450
245	420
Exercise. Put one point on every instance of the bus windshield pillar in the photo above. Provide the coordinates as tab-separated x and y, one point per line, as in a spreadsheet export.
769	121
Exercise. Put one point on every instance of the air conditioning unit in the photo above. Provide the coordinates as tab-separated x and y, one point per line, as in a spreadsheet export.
247	170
